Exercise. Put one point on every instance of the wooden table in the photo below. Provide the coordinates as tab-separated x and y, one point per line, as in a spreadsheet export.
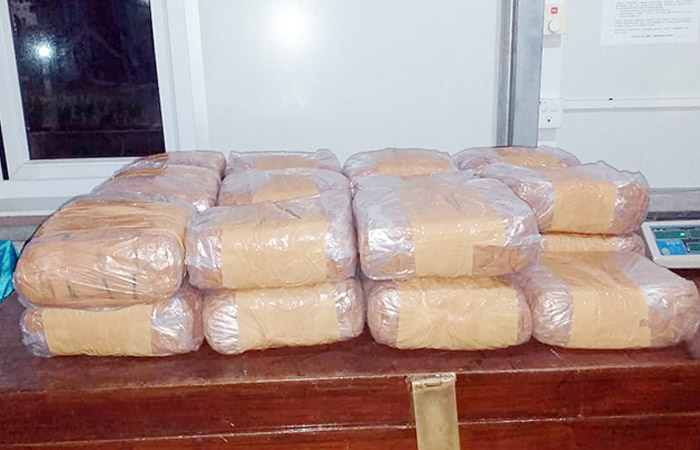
352	395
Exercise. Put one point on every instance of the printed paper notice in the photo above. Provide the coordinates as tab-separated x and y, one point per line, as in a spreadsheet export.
628	22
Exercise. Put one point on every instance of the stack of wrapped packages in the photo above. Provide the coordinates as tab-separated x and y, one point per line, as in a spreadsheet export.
434	246
592	287
105	274
277	256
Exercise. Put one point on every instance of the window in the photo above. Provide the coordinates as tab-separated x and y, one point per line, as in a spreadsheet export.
3	162
88	78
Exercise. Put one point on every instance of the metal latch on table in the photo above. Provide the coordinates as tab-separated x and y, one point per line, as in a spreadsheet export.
435	411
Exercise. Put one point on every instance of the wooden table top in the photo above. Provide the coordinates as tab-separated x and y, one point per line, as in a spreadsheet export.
360	357
531	396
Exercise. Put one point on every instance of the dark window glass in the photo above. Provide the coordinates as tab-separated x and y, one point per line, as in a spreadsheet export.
3	161
88	77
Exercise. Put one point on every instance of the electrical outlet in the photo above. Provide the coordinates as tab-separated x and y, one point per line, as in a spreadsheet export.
551	113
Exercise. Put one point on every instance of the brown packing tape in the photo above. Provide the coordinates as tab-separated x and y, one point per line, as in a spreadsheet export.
461	313
609	311
125	331
526	157
582	204
412	165
567	243
284	187
446	230
281	161
287	317
274	252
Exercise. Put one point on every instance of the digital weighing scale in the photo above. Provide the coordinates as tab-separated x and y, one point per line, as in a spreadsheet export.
674	243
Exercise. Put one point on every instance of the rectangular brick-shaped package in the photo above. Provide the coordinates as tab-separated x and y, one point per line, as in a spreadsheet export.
289	243
242	320
608	300
95	253
590	198
447	225
172	325
468	313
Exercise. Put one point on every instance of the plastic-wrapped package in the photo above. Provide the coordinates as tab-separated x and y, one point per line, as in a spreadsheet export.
273	244
608	300
447	225
97	253
238	321
270	160
171	326
479	157
588	199
572	243
87	213
211	160
467	313
195	185
255	186
400	162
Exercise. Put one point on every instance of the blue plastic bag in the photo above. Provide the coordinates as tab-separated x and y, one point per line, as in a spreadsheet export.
8	261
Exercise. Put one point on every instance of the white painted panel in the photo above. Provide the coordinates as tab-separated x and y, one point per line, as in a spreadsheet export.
662	144
350	75
593	71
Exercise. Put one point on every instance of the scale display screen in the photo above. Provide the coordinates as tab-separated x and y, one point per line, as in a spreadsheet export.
670	234
674	244
677	240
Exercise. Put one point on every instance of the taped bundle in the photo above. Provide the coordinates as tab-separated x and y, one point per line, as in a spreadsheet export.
242	320
213	161
400	162
170	326
588	199
98	252
273	244
196	185
448	225
479	157
452	314
608	301
256	186
271	160
572	243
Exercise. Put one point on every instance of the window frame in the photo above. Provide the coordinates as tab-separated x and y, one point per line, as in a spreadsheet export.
182	101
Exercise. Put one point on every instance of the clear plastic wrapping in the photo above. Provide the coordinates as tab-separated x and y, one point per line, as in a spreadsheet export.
211	160
479	157
608	300
255	186
171	326
588	199
196	185
273	244
447	225
570	243
401	162
453	314
95	252
269	160
238	321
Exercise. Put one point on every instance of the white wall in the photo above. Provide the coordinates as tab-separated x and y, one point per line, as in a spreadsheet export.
659	137
350	75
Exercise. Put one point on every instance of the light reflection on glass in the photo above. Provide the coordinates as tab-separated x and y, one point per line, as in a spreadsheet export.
291	25
44	50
